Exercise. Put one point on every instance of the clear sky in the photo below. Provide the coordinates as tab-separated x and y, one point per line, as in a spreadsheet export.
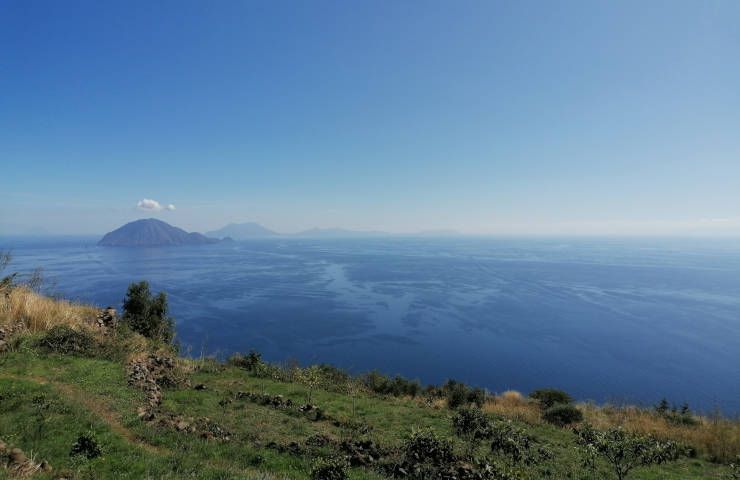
513	117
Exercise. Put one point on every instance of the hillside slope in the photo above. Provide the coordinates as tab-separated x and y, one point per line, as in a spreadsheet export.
154	415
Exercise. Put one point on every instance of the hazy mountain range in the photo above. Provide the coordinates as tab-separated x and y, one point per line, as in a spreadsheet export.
152	232
243	231
240	231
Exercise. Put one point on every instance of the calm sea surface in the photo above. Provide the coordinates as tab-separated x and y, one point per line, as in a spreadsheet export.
622	321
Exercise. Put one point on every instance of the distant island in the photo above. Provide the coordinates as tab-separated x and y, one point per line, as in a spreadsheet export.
250	230
241	231
151	232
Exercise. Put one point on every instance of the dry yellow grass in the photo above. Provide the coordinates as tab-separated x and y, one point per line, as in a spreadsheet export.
39	313
718	438
512	404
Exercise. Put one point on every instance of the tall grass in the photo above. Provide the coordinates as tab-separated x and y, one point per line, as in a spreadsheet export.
716	437
39	313
512	404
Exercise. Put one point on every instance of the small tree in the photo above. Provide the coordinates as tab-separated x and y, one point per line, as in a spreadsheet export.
7	282
310	377
550	396
147	314
624	451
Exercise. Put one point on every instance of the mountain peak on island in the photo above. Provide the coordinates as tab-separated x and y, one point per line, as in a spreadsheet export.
150	232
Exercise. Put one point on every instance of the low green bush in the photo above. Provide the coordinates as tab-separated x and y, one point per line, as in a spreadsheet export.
472	425
385	385
248	362
458	394
329	469
425	446
68	341
86	446
562	414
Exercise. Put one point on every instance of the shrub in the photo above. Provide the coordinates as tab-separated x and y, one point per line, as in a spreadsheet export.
458	394
550	396
247	362
385	385
147	314
68	341
562	414
682	416
87	446
425	446
472	425
471	422
477	396
735	469
311	378
512	442
329	469
624	451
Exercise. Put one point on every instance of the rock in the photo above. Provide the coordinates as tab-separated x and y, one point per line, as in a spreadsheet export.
17	456
107	318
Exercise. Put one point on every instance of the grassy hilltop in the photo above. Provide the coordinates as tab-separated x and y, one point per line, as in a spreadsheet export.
84	396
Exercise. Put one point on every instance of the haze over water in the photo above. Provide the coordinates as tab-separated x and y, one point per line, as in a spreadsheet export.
629	320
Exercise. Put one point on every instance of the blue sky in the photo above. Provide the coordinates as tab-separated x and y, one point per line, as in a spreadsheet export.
486	117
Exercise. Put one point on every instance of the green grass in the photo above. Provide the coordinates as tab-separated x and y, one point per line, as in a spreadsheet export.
48	400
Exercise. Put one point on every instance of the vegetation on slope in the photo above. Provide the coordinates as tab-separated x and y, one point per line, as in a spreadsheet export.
84	397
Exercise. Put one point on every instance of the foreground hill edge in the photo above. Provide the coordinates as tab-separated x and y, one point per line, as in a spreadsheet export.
83	394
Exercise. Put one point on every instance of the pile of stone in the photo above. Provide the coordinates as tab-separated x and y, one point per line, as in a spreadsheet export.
451	470
361	453
18	464
319	440
8	331
204	427
141	377
3	341
211	431
152	374
275	401
293	448
281	403
107	319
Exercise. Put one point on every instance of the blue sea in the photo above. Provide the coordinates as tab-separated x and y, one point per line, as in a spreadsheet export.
630	320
